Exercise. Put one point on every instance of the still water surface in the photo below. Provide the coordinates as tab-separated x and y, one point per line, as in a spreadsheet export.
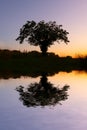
67	112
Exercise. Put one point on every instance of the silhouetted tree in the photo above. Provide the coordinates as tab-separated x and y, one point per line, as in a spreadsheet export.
42	93
42	34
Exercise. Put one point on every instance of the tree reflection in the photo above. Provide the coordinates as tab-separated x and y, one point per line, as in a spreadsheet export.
42	94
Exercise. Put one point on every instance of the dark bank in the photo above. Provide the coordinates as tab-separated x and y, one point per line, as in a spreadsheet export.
16	63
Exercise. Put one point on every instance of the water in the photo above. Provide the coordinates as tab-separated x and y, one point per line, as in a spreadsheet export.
67	112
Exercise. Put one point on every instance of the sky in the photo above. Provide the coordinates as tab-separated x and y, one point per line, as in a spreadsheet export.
72	14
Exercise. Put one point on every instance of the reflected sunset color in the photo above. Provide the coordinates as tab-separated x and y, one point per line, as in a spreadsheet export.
77	79
70	114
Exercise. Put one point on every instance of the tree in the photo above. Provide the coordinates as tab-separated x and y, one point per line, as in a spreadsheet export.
42	94
42	34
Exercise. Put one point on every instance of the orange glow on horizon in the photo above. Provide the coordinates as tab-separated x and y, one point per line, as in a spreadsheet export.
59	49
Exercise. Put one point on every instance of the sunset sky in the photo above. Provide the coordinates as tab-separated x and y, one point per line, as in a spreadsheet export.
72	14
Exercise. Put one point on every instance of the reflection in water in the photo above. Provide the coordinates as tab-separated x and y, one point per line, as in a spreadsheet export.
42	94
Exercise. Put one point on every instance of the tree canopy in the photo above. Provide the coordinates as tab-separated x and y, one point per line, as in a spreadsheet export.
42	94
42	34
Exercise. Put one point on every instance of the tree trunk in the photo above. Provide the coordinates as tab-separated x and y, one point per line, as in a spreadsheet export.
44	49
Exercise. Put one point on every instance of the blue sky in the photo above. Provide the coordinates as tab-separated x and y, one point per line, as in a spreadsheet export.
70	13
